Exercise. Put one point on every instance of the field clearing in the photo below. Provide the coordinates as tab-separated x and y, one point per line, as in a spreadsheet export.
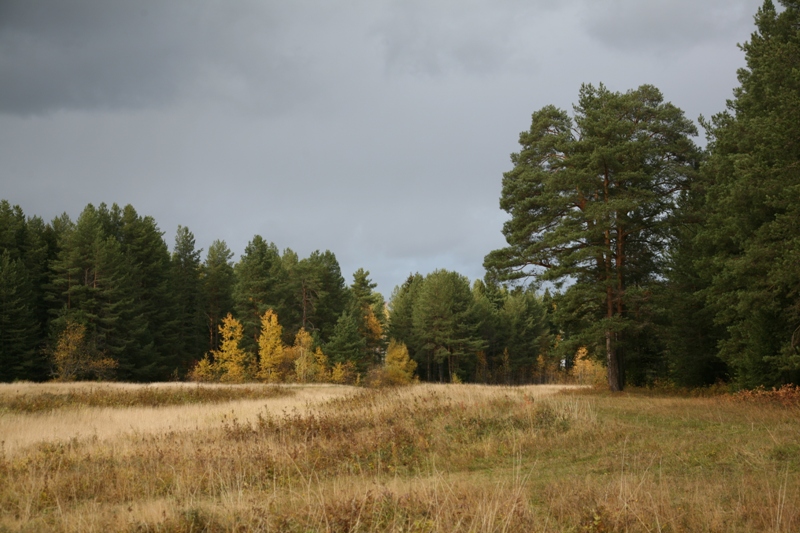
78	421
422	458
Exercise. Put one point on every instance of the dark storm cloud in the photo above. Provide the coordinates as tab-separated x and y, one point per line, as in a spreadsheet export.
83	54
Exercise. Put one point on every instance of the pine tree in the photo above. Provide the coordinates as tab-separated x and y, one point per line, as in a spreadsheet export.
523	320
590	199
29	245
401	309
147	260
329	296
96	287
488	327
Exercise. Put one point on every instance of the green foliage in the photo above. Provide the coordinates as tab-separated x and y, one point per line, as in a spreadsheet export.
590	200
306	293
659	270
401	309
367	309
96	286
216	280
27	245
19	329
444	325
346	343
486	333
750	233
323	294
185	283
259	286
76	356
521	325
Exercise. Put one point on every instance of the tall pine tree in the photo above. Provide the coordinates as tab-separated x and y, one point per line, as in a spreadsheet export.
590	199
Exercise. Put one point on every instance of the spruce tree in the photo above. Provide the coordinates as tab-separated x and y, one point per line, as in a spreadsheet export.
29	246
185	288
753	207
366	306
217	282
401	314
347	344
259	286
19	329
445	326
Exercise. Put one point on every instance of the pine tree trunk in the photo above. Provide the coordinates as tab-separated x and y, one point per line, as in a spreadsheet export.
613	363
612	357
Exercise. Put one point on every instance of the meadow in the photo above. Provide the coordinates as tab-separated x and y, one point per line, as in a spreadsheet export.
424	458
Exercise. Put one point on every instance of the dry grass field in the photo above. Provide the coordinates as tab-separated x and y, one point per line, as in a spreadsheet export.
184	458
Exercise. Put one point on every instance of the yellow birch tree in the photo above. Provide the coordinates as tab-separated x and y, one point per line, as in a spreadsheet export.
322	373
399	366
343	372
231	360
76	357
303	356
270	348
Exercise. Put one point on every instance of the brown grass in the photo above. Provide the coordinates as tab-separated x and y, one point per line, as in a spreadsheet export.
58	412
423	458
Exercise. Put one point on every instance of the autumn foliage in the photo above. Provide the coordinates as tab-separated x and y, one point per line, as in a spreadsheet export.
270	349
77	357
302	362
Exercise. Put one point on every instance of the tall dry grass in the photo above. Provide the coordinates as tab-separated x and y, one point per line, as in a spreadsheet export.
424	458
57	412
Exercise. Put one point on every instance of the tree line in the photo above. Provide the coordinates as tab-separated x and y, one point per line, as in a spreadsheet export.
103	297
109	282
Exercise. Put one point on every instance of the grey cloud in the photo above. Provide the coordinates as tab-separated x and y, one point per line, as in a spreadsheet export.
378	129
81	54
434	38
665	25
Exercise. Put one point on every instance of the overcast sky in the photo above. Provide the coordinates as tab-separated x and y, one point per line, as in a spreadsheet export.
377	129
